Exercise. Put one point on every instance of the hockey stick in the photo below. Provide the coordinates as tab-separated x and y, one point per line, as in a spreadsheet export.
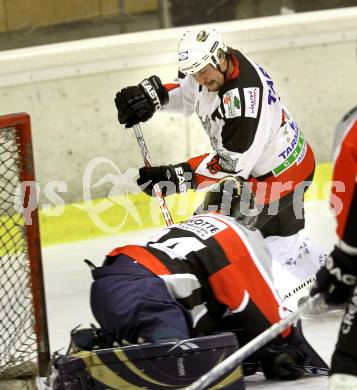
236	358
158	194
310	370
298	288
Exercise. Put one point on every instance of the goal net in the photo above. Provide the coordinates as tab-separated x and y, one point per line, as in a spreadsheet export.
24	343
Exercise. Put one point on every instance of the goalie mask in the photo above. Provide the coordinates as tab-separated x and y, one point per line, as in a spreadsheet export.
234	198
198	48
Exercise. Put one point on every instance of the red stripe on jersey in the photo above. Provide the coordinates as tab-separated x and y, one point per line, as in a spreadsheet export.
276	187
242	274
194	162
142	256
271	188
235	72
171	86
345	170
200	179
204	181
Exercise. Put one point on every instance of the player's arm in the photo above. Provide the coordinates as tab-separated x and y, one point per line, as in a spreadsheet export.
207	169
181	95
337	279
196	173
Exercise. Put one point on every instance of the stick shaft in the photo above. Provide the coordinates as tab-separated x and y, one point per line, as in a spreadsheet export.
158	194
248	349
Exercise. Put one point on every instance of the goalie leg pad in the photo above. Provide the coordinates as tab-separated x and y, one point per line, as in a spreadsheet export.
153	366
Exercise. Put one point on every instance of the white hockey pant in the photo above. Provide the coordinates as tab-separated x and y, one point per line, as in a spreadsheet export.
297	255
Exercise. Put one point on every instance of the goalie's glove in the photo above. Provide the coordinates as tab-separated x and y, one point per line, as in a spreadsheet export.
170	178
337	278
138	103
88	339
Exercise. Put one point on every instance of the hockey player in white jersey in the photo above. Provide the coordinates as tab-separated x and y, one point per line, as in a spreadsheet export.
254	137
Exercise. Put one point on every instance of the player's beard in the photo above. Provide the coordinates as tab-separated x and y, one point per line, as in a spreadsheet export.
212	86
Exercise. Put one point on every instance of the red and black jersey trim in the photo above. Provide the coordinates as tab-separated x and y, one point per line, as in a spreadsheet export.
349	234
206	261
170	86
345	171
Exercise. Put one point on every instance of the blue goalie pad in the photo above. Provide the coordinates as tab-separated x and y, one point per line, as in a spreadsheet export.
154	366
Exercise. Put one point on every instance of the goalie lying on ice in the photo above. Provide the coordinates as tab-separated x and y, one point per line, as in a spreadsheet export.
207	274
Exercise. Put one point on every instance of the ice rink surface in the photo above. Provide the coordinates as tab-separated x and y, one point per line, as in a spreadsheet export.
68	279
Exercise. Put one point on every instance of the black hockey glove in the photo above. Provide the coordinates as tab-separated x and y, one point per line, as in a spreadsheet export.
337	278
171	178
138	103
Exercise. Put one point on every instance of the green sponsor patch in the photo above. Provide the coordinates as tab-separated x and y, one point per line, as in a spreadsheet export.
292	158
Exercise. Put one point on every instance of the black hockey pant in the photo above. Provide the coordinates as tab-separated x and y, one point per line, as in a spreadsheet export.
129	302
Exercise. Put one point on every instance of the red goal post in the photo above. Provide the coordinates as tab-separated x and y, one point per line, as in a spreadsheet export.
24	343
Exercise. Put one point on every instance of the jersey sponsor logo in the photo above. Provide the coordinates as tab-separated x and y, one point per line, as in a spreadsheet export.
272	96
202	228
232	104
214	166
152	93
251	97
183	55
302	154
295	152
287	151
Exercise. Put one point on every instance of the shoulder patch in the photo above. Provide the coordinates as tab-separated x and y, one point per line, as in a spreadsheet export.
251	98
232	104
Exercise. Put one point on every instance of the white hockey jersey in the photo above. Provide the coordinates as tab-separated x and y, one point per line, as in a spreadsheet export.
249	128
